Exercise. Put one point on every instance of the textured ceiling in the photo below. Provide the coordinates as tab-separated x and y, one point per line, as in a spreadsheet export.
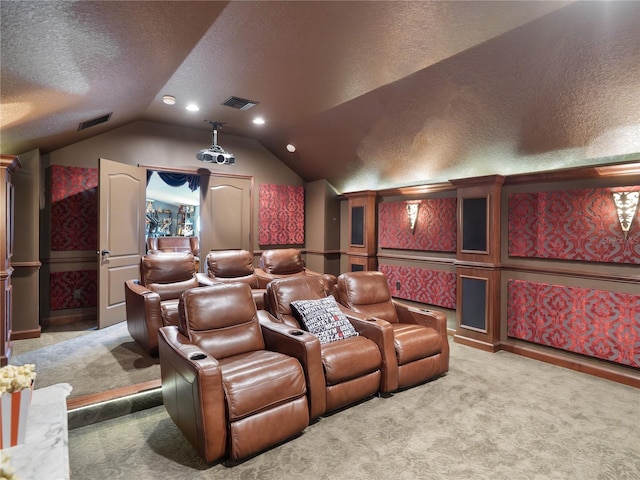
373	94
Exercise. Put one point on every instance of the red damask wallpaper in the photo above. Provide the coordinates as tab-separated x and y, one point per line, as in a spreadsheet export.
577	225
433	287
73	289
74	208
435	228
281	215
596	323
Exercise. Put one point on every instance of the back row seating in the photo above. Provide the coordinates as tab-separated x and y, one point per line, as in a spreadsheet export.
171	268
152	301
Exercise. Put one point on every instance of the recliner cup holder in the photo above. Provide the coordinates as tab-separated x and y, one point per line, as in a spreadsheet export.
197	356
297	332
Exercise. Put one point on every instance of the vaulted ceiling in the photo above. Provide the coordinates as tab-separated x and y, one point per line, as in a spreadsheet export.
374	94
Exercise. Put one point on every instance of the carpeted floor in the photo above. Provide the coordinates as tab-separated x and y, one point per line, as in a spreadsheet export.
90	360
493	416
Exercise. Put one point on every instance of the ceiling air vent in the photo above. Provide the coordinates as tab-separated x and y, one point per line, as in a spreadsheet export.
95	121
239	103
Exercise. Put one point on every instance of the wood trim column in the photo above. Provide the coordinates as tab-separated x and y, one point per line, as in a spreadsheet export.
8	165
478	262
363	231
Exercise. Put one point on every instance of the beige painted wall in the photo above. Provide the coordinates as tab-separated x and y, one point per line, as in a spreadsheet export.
26	253
151	144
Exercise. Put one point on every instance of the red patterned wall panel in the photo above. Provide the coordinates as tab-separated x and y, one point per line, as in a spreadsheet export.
74	208
75	289
577	225
281	215
435	228
433	287
596	323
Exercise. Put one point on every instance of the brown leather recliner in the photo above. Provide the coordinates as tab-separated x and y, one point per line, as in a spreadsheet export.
339	373
229	395
419	336
287	262
152	301
175	244
227	266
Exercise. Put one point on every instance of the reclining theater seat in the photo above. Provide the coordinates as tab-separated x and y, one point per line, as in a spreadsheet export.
235	266
419	336
346	370
228	395
175	244
152	301
287	262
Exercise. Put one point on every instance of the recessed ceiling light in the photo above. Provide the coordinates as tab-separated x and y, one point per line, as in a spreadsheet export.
192	107
169	99
258	121
291	148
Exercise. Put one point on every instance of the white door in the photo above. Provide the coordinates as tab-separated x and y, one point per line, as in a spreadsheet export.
225	216
121	228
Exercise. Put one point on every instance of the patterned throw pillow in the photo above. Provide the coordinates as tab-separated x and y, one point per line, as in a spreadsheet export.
323	318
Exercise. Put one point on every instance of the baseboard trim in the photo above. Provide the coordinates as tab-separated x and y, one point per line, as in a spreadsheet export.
619	374
25	334
480	345
71	318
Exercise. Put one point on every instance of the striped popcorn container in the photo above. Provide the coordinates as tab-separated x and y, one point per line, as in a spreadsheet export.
14	410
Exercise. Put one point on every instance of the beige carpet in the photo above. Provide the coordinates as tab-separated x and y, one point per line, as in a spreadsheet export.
493	416
91	360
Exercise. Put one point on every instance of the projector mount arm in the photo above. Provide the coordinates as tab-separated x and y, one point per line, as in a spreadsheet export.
216	126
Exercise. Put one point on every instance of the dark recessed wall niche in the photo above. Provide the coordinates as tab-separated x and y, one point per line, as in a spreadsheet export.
474	303
474	224
357	226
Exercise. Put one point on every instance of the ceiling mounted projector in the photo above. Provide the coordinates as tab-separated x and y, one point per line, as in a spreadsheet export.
216	154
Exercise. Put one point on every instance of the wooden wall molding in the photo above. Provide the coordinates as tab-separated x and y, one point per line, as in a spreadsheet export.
25	334
599	368
578	272
630	171
416	258
27	265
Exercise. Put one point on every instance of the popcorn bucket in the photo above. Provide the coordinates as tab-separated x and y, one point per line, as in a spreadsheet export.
14	410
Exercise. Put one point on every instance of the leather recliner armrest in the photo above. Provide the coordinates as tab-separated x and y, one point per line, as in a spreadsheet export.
303	346
426	317
205	281
192	393
263	277
144	316
381	333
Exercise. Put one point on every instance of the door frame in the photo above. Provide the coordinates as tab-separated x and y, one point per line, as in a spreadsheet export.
208	174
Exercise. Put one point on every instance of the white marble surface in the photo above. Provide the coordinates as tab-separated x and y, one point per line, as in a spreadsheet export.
45	452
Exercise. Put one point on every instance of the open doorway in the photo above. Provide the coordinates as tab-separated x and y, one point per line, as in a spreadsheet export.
172	211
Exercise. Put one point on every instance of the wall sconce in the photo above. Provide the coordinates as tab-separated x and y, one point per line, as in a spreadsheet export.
626	206
412	213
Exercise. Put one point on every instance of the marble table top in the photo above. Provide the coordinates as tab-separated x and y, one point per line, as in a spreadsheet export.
45	452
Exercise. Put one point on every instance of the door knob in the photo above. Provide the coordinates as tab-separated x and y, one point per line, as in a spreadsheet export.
105	252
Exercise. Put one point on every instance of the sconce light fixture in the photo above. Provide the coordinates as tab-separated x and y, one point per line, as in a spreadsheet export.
412	213
626	206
